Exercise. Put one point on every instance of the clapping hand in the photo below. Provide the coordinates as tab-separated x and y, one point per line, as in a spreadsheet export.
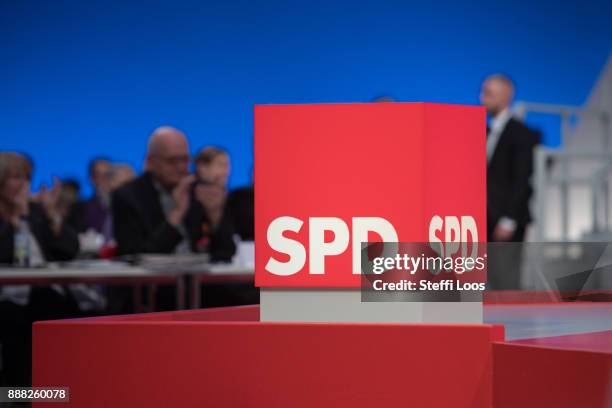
49	197
21	204
212	198
180	194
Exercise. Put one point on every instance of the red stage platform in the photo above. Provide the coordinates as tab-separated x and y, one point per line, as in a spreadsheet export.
226	357
555	354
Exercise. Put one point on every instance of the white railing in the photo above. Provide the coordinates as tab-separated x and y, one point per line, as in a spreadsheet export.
598	180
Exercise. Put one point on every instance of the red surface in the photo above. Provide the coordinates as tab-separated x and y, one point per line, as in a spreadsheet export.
165	361
227	314
526	376
572	370
404	162
600	342
190	359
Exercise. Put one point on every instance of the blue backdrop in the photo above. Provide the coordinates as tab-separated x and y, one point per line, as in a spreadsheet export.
85	78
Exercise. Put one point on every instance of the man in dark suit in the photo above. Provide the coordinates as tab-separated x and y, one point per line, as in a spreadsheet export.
157	212
510	146
95	213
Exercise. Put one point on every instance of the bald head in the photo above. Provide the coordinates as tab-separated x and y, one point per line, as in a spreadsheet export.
496	93
168	156
164	137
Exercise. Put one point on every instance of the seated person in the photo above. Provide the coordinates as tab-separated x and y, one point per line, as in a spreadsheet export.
235	208
241	209
226	212
70	191
50	239
158	213
94	213
121	173
30	234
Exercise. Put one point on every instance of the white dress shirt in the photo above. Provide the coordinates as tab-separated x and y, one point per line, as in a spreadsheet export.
168	204
496	128
20	294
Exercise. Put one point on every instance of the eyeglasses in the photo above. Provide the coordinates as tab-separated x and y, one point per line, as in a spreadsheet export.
175	160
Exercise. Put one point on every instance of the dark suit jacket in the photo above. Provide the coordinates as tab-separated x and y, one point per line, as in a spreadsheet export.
62	247
88	214
240	208
508	175
140	225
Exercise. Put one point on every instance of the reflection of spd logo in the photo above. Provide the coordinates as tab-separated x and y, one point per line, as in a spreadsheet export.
450	230
454	231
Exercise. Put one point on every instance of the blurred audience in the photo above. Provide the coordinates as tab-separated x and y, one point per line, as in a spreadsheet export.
212	167
234	210
226	213
158	211
48	237
240	206
95	213
70	191
93	218
31	233
510	146
121	174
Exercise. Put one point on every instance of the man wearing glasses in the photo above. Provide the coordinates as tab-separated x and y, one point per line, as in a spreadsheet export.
157	212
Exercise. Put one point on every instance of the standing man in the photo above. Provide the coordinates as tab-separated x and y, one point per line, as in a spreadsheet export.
510	146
